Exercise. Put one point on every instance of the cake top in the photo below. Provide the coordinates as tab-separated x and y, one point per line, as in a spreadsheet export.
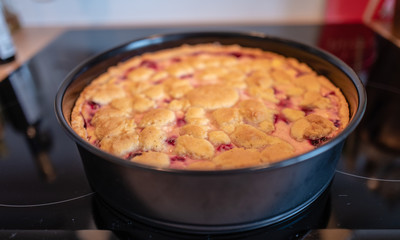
209	107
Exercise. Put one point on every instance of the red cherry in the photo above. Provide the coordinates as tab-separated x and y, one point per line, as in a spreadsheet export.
93	105
224	147
149	64
318	142
180	122
171	140
133	154
177	158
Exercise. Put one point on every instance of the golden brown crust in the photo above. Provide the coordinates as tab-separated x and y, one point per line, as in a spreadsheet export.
140	74
312	127
196	116
205	165
152	138
227	118
194	131
155	159
277	152
309	82
195	148
112	125
179	105
106	93
314	99
120	144
157	117
319	127
218	138
292	114
255	111
141	103
212	97
247	136
209	106
237	158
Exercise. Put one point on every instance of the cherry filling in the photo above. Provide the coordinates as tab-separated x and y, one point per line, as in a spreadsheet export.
97	143
133	154
127	71
318	142
307	111
336	123
176	60
85	123
236	54
280	117
149	64
284	103
299	73
144	63
224	147
276	91
180	122
332	93
93	105
197	53
158	82
177	158
171	140
130	69
241	55
185	76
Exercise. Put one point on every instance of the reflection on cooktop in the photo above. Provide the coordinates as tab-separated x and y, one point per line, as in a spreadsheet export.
314	216
372	151
33	161
366	188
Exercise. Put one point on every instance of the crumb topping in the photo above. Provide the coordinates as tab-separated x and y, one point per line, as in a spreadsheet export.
209	107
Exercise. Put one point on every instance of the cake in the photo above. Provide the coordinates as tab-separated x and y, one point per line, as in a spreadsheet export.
209	107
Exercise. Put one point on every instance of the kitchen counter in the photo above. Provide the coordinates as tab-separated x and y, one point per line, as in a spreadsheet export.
29	41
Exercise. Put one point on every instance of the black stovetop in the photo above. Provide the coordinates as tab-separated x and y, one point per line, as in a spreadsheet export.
44	193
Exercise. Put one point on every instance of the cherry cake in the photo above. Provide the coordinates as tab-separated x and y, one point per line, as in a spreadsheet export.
209	107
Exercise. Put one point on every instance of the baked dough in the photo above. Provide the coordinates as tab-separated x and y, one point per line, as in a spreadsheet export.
209	107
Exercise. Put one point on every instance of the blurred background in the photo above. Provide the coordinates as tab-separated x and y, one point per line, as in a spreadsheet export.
34	23
159	12
34	13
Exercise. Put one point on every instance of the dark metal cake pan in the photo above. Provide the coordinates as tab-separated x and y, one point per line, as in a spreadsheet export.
212	201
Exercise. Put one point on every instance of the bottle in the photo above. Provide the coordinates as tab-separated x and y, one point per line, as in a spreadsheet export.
7	49
11	16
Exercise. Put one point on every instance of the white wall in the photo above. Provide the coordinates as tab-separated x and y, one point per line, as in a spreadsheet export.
165	12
